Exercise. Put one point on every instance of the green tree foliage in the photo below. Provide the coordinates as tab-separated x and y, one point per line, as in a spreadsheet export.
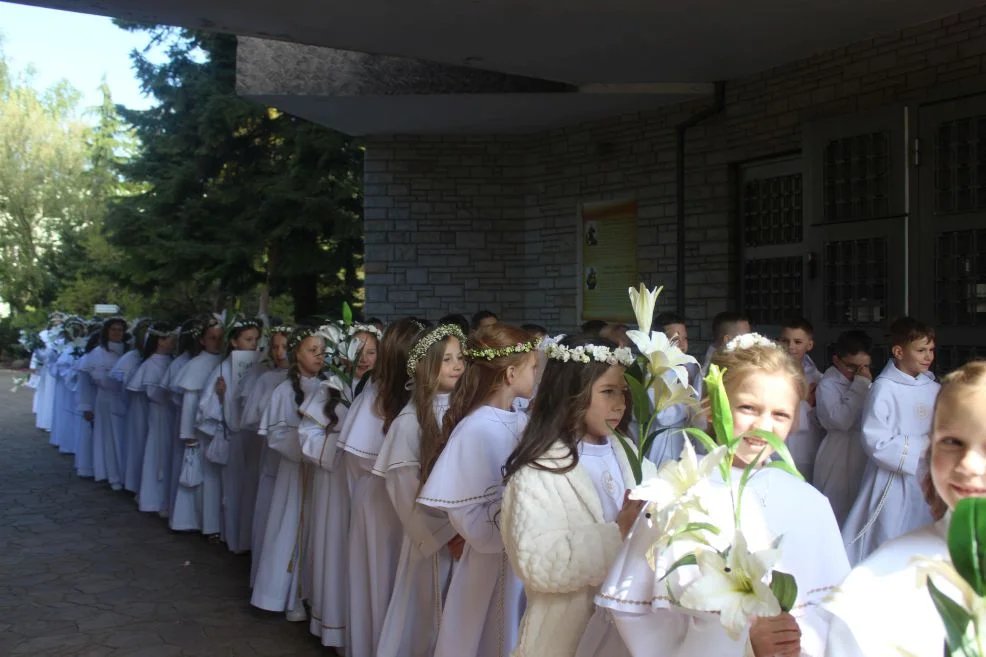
235	196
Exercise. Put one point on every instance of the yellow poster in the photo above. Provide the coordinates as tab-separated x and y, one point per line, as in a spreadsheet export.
608	259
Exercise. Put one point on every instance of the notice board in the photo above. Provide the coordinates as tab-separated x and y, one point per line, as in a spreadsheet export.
607	259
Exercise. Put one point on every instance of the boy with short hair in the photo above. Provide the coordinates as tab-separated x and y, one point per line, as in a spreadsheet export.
725	326
668	445
839	398
482	319
896	428
798	337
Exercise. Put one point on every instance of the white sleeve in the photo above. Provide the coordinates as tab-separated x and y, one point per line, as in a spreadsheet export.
838	411
429	529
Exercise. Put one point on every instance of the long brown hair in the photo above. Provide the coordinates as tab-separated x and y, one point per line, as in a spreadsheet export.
426	377
481	380
390	373
971	374
559	408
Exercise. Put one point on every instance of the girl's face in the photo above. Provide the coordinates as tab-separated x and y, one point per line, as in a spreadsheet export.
212	339
311	355
279	350
607	404
768	402
116	332
367	355
246	340
165	344
453	365
958	444
521	377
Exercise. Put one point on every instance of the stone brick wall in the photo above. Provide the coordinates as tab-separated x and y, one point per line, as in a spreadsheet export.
457	223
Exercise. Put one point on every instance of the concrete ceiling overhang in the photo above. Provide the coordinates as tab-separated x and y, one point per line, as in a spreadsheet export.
363	94
573	41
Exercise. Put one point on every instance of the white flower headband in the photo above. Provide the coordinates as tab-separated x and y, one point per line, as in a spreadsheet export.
355	328
430	338
748	341
585	354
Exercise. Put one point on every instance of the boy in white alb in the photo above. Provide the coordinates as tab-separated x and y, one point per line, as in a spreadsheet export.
896	428
798	337
839	401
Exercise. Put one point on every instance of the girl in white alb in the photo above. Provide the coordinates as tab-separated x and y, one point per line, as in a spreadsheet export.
155	478
84	394
765	388
132	410
375	531
281	579
883	609
410	628
565	509
97	365
188	347
485	599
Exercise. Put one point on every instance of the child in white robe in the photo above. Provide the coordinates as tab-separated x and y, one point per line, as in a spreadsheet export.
188	347
798	337
896	430
281	578
97	365
261	463
882	608
839	400
764	386
410	627
84	405
375	531
218	417
155	477
485	599
134	405
565	507
197	507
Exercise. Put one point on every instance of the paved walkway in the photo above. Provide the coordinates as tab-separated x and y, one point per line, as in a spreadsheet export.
84	574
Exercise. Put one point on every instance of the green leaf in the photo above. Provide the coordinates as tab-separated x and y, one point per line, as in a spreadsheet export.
632	457
687	560
641	402
956	621
966	539
347	313
780	448
707	442
645	448
693	527
785	589
722	415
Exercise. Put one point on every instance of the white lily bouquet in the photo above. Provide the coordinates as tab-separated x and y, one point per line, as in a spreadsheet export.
342	349
657	380
732	581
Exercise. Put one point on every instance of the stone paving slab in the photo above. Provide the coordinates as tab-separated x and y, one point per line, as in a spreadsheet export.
84	574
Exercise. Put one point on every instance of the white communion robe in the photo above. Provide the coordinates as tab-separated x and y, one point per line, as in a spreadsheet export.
253	409
804	441
775	505
841	460
896	430
485	599
281	572
198	507
329	534
46	389
424	570
36	365
220	419
53	354
375	531
132	419
63	432
177	447
83	404
97	365
880	611
155	478
250	444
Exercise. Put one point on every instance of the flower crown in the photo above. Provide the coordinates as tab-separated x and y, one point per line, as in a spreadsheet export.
274	330
491	353
430	338
161	334
748	341
298	336
356	327
586	354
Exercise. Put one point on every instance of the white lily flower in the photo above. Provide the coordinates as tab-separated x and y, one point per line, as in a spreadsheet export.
662	354
643	301
926	567
734	586
667	394
332	333
678	481
353	349
334	383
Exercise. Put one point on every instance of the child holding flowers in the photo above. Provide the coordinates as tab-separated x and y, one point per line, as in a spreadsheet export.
883	608
690	580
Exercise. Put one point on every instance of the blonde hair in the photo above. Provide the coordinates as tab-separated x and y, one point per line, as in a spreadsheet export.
972	374
765	357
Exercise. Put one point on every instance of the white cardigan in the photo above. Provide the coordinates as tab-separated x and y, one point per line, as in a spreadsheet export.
560	547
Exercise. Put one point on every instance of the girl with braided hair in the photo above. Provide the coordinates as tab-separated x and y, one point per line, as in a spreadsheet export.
282	561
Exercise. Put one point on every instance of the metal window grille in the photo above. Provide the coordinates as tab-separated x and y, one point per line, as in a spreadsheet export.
772	211
773	289
855	282
856	177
